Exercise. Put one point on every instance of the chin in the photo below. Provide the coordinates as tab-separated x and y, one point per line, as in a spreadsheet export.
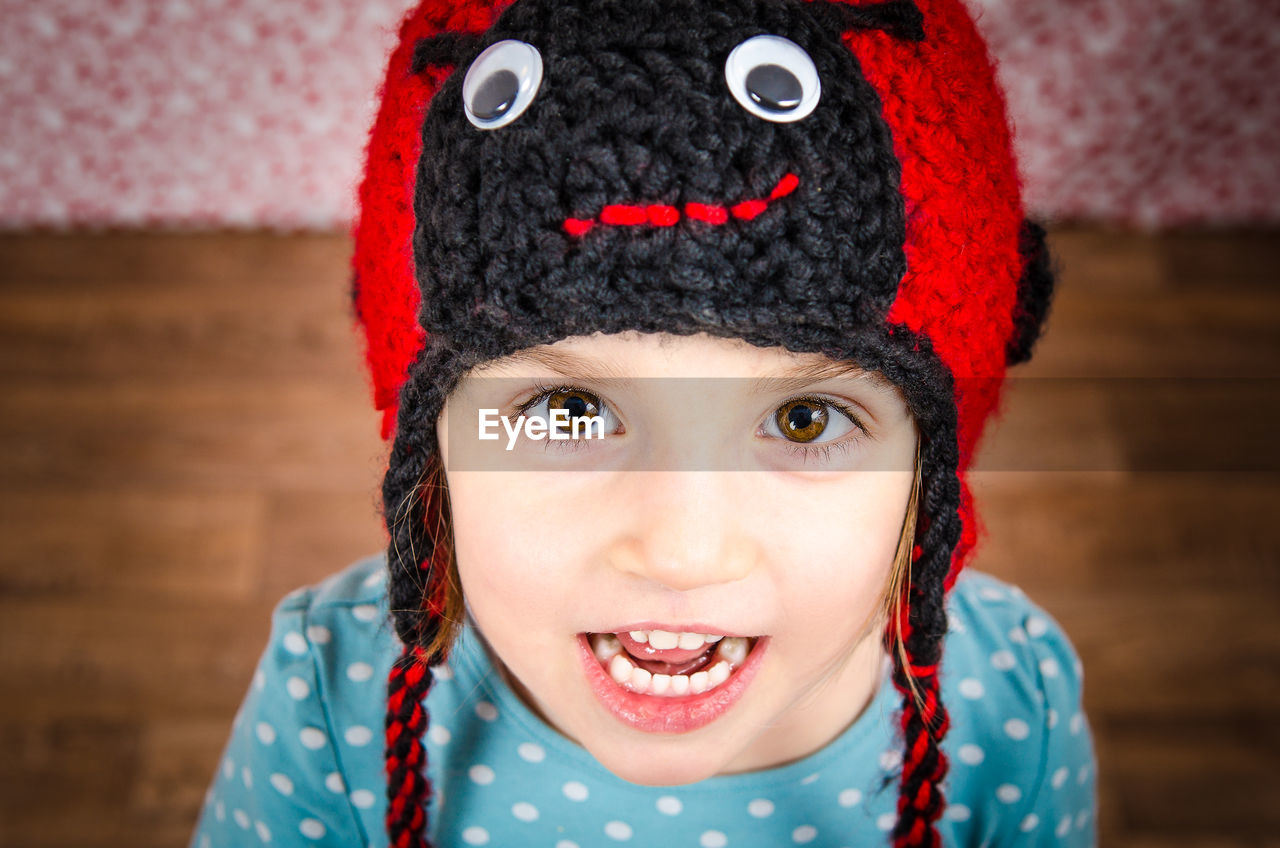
673	763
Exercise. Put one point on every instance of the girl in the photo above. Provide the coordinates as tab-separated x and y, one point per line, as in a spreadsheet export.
774	252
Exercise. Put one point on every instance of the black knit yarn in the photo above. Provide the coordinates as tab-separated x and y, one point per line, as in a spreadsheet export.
1035	292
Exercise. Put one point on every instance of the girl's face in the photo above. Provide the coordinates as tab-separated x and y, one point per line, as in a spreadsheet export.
694	514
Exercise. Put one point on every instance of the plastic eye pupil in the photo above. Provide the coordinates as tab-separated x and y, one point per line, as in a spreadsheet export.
773	87
495	95
773	78
501	83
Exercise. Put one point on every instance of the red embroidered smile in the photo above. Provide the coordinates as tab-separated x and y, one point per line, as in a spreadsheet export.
662	215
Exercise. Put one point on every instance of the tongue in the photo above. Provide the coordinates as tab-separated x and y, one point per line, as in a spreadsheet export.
670	661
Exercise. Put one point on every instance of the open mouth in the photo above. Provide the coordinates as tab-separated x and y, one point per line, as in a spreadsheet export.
666	215
685	681
694	664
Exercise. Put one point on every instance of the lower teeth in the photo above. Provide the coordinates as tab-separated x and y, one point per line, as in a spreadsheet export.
730	653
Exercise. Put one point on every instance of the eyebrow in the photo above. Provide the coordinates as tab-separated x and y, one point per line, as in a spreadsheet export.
787	379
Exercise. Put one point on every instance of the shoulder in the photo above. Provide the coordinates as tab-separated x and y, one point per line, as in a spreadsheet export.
303	759
1020	747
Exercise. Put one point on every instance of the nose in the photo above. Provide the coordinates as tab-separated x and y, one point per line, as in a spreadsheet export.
687	530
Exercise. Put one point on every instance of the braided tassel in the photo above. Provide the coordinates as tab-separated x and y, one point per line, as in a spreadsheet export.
407	786
922	621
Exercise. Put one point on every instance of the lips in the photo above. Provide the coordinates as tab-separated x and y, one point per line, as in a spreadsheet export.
669	703
664	215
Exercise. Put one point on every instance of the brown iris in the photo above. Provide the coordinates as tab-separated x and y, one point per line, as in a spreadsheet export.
579	404
802	420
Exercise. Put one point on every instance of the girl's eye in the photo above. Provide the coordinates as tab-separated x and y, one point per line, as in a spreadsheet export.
802	421
501	83
773	78
577	403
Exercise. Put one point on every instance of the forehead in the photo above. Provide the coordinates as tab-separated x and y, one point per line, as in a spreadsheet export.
633	354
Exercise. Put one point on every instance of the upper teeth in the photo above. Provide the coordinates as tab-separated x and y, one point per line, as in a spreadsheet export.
663	640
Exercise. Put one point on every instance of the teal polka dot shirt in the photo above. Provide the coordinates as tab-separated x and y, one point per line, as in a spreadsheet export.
304	763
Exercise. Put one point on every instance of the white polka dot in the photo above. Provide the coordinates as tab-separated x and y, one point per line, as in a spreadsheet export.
564	843
991	593
1077	723
1003	660
971	688
954	623
804	833
890	760
486	710
242	819
364	612
525	811
849	797
439	734
669	805
760	808
575	791
442	672
359	672
1018	636
475	836
1008	793
205	842
297	688
1081	818
713	839
220	811
311	828
266	733
1060	777
247	777
1064	825
1029	823
319	634
530	752
358	735
1052	718
228	768
1016	728
886	821
957	812
810	779
1037	626
1049	667
970	754
1079	667
294	643
1083	775
311	738
374	579
282	783
334	782
263	832
618	830
482	775
362	798
259	680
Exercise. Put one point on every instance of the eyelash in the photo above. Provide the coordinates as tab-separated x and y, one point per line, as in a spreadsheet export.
803	451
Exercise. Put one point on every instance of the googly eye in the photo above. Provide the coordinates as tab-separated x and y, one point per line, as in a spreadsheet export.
501	83
773	78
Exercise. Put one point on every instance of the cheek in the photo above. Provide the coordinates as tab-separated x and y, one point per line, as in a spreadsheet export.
840	549
512	570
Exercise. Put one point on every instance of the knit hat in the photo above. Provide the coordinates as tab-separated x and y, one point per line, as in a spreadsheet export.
829	177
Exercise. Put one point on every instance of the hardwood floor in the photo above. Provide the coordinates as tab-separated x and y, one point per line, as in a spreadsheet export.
188	435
